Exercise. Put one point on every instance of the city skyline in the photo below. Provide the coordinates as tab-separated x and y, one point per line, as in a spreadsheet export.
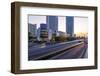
80	23
51	35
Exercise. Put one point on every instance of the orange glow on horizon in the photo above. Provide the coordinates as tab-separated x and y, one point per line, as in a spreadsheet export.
81	34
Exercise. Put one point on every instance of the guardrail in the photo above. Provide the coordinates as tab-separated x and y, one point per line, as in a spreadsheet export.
50	54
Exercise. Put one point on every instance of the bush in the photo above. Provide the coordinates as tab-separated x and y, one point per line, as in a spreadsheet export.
60	39
71	38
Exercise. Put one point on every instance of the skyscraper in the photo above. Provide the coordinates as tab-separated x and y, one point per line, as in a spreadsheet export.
44	32
32	29
70	25
52	22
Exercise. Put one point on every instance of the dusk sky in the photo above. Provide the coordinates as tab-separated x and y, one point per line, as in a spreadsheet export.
80	23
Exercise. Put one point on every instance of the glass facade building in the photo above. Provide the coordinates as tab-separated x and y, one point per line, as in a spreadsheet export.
43	32
70	25
32	29
52	22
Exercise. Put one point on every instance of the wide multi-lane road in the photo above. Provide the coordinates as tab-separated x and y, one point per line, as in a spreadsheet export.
73	53
65	50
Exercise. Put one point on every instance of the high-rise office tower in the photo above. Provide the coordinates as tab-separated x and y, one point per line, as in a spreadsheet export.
52	22
70	25
32	29
43	32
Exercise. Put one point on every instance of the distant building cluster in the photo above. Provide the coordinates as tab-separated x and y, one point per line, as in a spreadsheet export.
46	31
32	29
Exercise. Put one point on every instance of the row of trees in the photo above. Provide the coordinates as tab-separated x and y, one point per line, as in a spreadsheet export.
54	38
62	39
31	37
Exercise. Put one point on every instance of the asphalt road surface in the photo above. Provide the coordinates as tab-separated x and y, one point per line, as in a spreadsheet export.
64	50
73	53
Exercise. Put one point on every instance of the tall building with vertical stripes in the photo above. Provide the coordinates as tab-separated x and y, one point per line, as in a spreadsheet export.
32	29
43	32
52	22
70	25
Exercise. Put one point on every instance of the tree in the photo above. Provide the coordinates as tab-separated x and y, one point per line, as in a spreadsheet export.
53	37
60	39
71	38
30	36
